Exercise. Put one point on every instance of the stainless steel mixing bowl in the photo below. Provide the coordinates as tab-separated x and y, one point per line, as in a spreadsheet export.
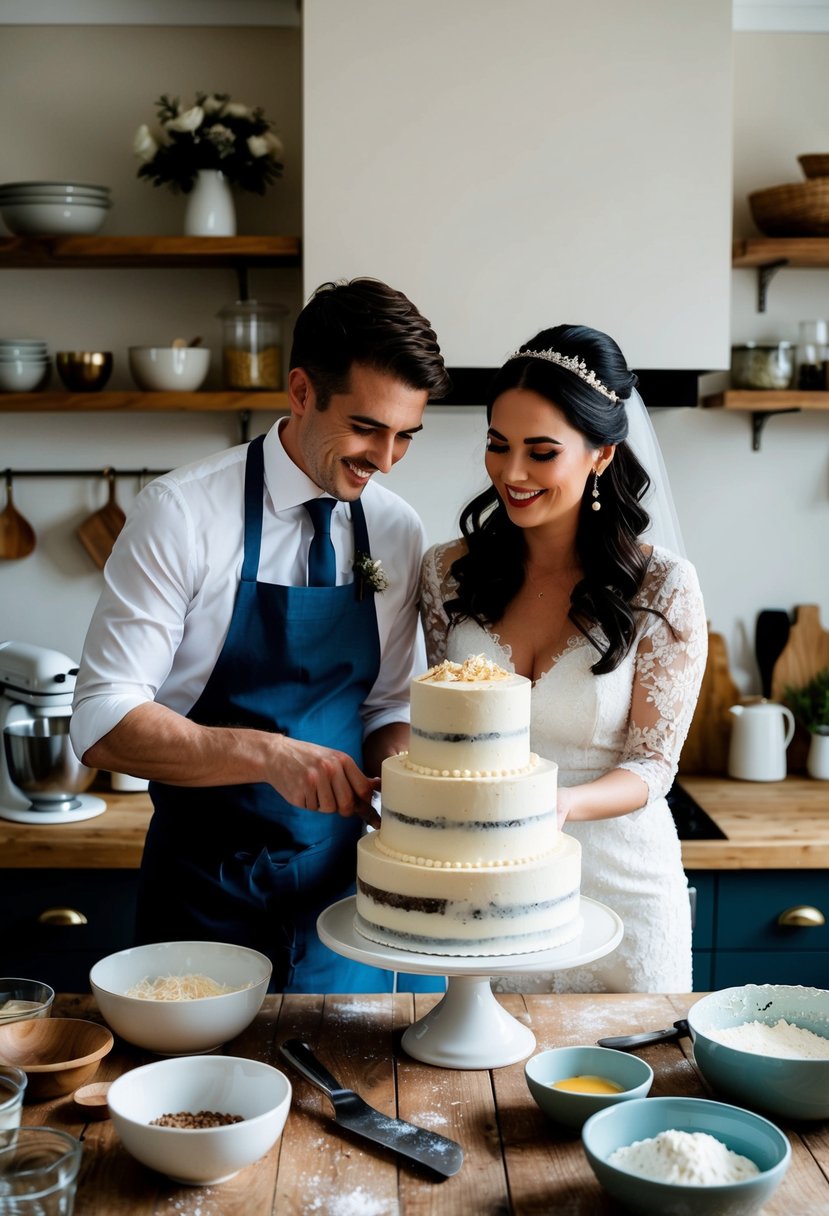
43	765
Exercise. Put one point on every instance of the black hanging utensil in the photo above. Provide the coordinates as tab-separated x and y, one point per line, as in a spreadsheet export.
770	637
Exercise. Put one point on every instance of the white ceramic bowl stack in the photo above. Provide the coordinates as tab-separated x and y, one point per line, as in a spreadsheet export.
24	364
53	208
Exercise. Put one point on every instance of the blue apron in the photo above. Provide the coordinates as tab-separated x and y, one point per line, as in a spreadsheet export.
239	863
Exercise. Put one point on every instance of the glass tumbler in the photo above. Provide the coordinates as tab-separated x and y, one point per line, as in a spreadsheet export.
252	345
12	1086
39	1172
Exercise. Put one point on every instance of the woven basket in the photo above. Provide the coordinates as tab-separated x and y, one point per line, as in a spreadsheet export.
799	209
814	164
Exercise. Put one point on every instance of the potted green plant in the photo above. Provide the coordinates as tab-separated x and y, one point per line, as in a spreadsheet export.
810	705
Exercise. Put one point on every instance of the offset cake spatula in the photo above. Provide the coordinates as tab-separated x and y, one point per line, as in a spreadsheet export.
442	1155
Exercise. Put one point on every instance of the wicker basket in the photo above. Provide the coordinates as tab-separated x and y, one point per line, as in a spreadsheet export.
814	164
799	209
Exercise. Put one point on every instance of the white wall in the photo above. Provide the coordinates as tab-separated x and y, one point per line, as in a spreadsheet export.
518	164
756	524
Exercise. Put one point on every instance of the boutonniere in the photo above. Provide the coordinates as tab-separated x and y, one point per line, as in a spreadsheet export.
370	573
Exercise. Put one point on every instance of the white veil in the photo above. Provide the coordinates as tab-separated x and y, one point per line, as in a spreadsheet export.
664	527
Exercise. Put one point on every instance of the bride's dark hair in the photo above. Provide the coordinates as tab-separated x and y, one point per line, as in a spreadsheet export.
491	572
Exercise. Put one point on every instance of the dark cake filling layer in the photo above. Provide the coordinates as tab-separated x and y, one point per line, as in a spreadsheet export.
462	910
441	824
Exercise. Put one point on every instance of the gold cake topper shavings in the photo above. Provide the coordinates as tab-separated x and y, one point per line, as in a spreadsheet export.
471	671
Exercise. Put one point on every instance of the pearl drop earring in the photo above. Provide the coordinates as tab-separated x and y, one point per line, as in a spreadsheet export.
597	506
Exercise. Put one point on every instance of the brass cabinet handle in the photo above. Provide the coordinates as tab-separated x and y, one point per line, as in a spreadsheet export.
802	917
61	916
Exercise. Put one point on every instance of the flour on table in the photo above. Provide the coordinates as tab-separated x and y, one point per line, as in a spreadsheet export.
684	1158
782	1040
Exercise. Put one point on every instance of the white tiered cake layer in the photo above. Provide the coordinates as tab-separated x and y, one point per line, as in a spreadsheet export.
457	730
496	910
463	821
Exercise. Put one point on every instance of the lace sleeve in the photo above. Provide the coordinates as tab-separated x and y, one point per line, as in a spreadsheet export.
436	585
670	662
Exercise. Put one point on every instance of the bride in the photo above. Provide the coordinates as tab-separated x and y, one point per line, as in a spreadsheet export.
569	574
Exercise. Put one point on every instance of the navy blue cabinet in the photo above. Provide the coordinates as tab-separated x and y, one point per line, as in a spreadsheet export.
760	927
57	923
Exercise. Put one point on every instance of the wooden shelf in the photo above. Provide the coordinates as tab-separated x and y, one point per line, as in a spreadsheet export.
768	254
766	401
39	403
763	404
798	252
92	252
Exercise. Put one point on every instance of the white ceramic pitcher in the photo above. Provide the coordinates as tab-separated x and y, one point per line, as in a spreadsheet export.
760	735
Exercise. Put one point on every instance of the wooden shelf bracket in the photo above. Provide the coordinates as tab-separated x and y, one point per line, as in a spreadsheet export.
765	274
759	418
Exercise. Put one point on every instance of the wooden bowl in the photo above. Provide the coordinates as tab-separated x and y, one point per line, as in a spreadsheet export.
56	1054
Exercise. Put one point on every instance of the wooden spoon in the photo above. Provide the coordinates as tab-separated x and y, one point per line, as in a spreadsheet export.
17	538
99	532
92	1100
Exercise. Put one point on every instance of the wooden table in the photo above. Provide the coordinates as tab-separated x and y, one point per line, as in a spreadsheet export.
516	1160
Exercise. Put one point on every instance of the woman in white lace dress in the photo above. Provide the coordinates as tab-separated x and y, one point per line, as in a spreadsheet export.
552	579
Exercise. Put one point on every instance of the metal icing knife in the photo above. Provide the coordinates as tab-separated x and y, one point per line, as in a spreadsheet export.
442	1155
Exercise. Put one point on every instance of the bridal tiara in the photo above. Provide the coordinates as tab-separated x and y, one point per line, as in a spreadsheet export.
571	363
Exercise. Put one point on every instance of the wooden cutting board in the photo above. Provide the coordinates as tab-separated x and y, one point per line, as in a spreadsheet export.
805	653
706	747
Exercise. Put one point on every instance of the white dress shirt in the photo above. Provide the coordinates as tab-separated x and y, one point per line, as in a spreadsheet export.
170	587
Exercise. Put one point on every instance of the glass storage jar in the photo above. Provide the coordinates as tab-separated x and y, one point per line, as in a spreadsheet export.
252	345
759	365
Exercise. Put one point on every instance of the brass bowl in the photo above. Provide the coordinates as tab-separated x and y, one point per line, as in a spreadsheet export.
84	371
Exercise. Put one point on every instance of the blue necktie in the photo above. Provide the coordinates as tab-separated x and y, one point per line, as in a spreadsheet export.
322	566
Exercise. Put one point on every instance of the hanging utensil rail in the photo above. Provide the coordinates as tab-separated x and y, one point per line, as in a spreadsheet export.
105	471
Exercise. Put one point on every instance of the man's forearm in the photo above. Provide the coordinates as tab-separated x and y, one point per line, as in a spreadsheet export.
158	743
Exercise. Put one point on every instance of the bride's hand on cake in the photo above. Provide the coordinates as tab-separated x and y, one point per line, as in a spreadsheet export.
564	804
322	779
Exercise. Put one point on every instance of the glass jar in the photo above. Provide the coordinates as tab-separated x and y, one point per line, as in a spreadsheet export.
811	356
252	345
756	365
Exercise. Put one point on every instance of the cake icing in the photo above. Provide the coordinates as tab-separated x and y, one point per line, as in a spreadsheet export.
469	859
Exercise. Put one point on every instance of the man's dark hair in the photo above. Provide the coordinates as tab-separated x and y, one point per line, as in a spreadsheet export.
365	322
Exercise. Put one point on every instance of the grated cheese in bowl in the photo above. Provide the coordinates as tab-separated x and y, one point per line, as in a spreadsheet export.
190	987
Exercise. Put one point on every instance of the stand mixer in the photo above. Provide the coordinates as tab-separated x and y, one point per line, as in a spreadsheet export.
41	780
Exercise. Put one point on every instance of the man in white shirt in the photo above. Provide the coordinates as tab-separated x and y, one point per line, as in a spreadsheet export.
257	677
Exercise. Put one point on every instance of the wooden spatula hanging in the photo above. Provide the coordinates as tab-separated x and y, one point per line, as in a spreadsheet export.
17	537
99	532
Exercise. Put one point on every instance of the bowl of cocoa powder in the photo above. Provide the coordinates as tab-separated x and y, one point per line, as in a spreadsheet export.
200	1119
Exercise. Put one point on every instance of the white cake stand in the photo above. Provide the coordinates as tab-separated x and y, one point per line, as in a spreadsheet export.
468	1028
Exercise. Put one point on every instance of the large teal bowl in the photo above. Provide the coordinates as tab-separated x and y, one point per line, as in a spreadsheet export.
571	1109
743	1132
795	1089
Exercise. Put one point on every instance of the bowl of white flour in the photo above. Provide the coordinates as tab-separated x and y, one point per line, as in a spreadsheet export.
766	1046
686	1156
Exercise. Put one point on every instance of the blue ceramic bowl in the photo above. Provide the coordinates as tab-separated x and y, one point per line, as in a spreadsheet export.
795	1089
745	1133
571	1109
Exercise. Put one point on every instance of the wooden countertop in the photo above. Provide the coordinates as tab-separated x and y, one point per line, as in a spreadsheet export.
768	825
516	1162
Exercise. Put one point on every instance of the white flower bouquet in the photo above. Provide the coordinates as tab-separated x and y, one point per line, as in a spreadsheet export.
213	133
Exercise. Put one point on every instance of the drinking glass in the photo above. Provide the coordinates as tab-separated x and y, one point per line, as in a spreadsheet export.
12	1084
39	1173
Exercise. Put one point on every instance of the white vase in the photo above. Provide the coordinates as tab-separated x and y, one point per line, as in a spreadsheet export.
817	760
210	209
